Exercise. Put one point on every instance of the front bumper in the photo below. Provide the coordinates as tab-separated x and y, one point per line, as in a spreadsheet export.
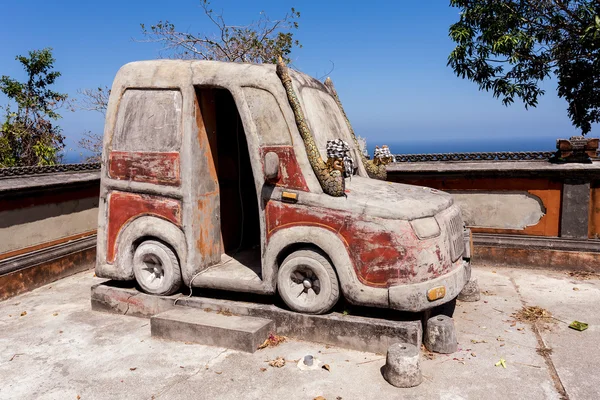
413	297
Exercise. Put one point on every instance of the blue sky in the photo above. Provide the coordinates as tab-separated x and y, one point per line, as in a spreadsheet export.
390	63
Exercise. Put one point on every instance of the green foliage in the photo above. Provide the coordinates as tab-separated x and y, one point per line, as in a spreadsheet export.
510	46
27	135
260	41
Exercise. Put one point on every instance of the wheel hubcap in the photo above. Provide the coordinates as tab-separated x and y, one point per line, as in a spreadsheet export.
153	271
304	284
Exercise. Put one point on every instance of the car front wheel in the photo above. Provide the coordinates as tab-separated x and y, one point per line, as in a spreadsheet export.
156	268
307	282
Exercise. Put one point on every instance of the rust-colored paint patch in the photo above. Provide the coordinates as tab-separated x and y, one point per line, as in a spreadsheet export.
40	246
594	213
123	207
290	173
207	243
149	167
549	192
378	259
31	278
207	228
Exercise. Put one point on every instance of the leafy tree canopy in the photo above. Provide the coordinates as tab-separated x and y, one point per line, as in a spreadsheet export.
27	135
510	46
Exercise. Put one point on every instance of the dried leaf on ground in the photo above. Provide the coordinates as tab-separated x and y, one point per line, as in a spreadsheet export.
319	398
426	353
477	341
132	368
24	313
326	366
55	314
272	341
544	351
225	312
583	275
532	314
262	369
277	363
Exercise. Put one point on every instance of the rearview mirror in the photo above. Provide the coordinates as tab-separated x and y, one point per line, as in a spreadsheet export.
271	167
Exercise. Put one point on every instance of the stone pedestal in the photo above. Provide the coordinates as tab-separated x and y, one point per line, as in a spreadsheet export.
402	367
440	335
470	292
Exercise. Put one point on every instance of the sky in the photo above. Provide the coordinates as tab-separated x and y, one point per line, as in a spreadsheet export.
389	65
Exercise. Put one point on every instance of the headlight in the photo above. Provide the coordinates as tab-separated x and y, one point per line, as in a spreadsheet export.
426	228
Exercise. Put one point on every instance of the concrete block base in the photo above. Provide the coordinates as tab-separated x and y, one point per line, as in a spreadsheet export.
470	292
440	335
402	366
353	332
185	324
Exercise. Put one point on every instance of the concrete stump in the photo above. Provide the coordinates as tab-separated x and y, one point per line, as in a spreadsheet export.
440	335
402	366
470	292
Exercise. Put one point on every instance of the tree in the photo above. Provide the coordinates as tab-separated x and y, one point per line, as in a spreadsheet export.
28	135
261	41
92	100
510	46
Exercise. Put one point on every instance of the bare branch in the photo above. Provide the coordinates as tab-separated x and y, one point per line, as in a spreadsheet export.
261	41
91	100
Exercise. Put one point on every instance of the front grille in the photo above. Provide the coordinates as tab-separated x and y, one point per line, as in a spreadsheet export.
453	222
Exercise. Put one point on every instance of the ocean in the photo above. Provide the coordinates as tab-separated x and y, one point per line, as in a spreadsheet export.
465	146
431	146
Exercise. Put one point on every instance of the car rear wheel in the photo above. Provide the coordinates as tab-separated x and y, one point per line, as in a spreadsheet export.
156	268
307	282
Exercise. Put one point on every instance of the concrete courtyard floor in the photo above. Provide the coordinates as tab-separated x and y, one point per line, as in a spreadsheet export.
52	346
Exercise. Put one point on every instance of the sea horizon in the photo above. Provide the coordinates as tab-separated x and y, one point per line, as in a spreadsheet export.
424	146
438	146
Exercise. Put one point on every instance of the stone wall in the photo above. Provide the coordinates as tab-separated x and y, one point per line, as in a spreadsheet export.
48	225
510	199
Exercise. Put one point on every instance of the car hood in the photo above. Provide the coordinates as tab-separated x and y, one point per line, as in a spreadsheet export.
390	200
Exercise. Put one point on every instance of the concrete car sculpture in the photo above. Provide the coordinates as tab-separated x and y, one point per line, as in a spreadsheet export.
249	178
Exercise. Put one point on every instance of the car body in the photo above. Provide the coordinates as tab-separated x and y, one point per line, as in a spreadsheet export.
188	147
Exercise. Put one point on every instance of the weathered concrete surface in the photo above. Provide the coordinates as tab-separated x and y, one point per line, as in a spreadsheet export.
350	332
32	277
440	335
371	220
575	210
30	226
500	210
470	292
402	366
186	324
575	354
499	166
107	356
49	180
